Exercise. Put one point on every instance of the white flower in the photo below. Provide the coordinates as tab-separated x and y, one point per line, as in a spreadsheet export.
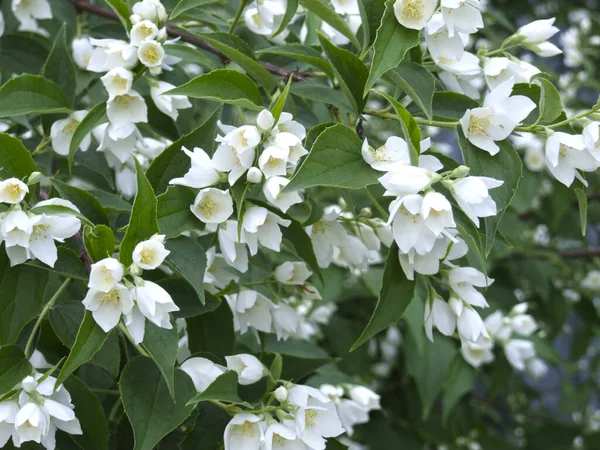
461	16
249	369
115	143
242	138
8	411
218	273
592	280
477	353
254	175
265	121
12	191
345	6
591	139
31	10
111	53
439	313
150	254
286	320
390	155
273	161
62	132
326	234
405	179
463	281
500	69
107	307
82	51
292	272
523	324
31	424
351	413
440	43
536	367
144	30
124	111
243	432
472	195
414	14
365	397
534	158
565	154
106	274
212	205
250	310
518	352
497	118
286	124
151	10
117	81
409	226
202	371
498	326
227	159
272	190
466	67
154	303
202	172
470	326
261	225
168	104
281	394
436	211
316	417
234	252
535	37
281	437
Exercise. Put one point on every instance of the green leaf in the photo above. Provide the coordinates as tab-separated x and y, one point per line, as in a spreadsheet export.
300	357
22	298
85	202
418	83
472	237
121	8
300	240
15	159
186	5
276	367
23	52
212	332
302	53
395	295
95	117
290	11
90	414
59	66
143	223
58	209
392	42
188	260
31	94
173	162
335	159
99	242
319	92
371	13
223	86
14	366
68	264
350	72
65	319
506	165
193	55
550	102
410	129
239	52
174	214
90	338
161	344
429	369
223	389
280	103
147	403
323	11
582	202
451	106
111	202
460	381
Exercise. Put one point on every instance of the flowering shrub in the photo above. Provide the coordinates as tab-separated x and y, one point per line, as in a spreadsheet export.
295	224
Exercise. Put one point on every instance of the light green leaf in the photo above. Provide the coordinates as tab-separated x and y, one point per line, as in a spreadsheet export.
15	159
58	209
95	117
460	380
350	71
31	94
59	66
14	366
550	102
392	42
583	208
193	55
290	12
323	11
90	338
188	260
334	160
147	403
280	103
319	92
110	201
121	8
418	84
371	13
395	295
302	53
223	86
85	202
143	223
410	129
186	5
223	389
173	162
450	106
99	242
506	166
161	344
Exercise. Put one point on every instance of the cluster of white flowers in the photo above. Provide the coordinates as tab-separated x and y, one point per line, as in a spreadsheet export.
111	295
520	352
28	235
28	12
35	411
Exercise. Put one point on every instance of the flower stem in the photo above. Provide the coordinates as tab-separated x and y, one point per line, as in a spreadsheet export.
38	323
125	331
238	15
376	204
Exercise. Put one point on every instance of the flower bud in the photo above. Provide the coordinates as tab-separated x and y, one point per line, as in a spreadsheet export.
34	178
460	172
254	175
456	305
265	121
281	394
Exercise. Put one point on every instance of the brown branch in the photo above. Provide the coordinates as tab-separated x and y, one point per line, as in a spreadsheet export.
589	253
82	5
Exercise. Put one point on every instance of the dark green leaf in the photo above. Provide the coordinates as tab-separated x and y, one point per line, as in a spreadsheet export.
418	84
302	53
111	202
174	214
582	202
99	242
460	380
15	159
451	106
31	94
186	5
371	13
161	344
121	8
188	260
59	66
23	52
68	264
223	389
14	366
85	202
65	319
319	92
290	11
212	332
95	117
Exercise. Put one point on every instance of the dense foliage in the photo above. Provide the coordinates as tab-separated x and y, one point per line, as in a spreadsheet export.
299	224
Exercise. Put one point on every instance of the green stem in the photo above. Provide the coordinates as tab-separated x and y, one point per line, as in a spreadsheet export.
125	331
105	391
41	146
376	204
38	323
115	409
502	50
419	120
238	15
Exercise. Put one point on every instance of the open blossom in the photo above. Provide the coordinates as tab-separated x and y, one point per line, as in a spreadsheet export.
244	431
107	307
281	437
535	37
168	104
472	195
464	280
326	235
282	200
414	14
273	161
497	70
12	191
124	111
439	314
111	53
565	155
106	274
292	272
62	132
406	179
30	10
235	162
233	250
479	352
150	254
152	10
117	81
213	205
250	309
261	225
154	302
144	30
202	172
462	16
249	369
202	371
500	114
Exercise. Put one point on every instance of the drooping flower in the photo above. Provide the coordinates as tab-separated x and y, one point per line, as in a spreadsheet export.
472	195
151	253
295	273
202	173
168	104
12	191
108	307
61	133
248	367
565	155
106	274
202	371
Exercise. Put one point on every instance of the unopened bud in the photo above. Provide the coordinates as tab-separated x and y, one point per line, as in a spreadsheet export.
456	305
460	172
281	394
34	178
254	175
366	212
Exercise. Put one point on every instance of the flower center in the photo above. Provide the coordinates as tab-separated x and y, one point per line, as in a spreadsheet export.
562	152
245	429
477	126
14	191
123	99
207	206
273	162
120	82
71	126
320	227
309	417
40	231
151	56
147	256
111	297
413	10
145	30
